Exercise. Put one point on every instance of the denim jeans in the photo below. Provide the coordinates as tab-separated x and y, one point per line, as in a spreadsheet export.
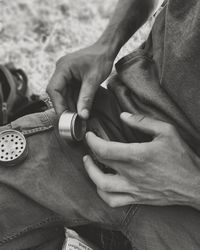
51	189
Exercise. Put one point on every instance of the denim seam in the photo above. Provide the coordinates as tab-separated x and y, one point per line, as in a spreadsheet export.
77	222
35	130
48	119
48	101
6	127
131	212
45	126
29	228
164	48
29	131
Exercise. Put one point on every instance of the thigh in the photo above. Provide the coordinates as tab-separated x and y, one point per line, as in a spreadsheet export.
51	186
163	228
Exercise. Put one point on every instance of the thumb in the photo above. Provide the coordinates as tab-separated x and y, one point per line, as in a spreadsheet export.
143	123
86	97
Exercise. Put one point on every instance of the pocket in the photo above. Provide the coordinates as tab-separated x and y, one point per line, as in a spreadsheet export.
132	58
22	206
139	92
13	142
34	123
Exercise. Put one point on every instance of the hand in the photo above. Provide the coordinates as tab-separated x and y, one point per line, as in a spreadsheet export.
164	171
88	67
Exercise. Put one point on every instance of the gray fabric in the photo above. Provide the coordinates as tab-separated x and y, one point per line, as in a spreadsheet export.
161	79
51	187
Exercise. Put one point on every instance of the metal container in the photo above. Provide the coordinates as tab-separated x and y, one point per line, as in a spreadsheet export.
13	148
71	126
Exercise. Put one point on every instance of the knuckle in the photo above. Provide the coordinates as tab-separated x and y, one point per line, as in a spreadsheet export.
104	186
131	154
139	118
131	159
110	201
89	81
86	99
169	129
112	204
140	154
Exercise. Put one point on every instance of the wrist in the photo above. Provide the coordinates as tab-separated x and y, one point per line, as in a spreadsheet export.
111	44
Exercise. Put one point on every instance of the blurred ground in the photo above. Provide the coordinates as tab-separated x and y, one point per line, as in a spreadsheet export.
35	33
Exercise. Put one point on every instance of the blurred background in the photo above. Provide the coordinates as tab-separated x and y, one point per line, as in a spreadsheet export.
34	34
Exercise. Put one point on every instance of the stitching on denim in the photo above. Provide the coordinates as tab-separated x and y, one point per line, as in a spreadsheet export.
28	131
164	48
131	212
5	127
78	222
48	119
35	130
45	125
29	228
46	98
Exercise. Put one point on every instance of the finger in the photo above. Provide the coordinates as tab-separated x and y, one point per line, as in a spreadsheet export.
122	168
86	97
116	200
149	125
70	98
55	90
105	182
110	150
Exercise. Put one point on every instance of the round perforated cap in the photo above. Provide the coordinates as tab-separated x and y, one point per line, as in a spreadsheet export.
13	148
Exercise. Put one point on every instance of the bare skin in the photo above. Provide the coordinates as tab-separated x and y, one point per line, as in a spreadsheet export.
164	171
91	66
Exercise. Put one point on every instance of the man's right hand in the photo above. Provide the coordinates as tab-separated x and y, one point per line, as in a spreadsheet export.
89	67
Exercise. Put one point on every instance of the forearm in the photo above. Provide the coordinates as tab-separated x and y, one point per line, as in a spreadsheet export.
128	17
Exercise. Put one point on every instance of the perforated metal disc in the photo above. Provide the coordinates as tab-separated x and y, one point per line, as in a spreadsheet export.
13	148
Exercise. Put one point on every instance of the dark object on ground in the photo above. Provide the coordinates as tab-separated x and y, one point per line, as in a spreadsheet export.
14	102
105	239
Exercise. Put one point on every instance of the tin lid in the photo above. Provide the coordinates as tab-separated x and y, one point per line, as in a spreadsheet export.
78	128
13	147
71	126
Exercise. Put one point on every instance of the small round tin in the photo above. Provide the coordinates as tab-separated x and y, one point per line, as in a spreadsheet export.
13	147
71	126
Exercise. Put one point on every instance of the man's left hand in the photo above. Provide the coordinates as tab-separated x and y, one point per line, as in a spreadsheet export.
164	171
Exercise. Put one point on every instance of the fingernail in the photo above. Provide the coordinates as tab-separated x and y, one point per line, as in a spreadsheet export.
85	113
87	135
85	158
125	115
